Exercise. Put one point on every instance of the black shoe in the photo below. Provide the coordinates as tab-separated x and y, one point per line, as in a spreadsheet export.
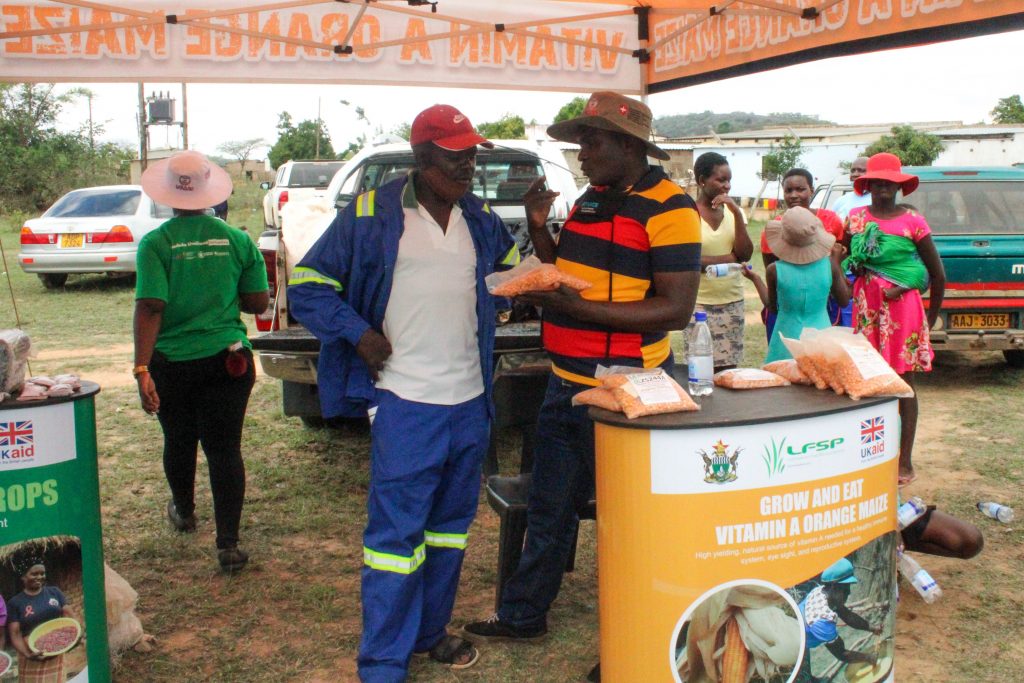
494	628
595	674
232	559
185	524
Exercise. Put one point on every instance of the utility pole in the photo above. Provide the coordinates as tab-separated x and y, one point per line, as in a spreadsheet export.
184	116
143	131
92	142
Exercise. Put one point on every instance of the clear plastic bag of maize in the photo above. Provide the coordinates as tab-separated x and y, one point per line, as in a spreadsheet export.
597	396
790	370
854	365
648	392
531	276
749	378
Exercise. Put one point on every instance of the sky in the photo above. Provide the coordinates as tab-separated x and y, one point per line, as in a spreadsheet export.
952	81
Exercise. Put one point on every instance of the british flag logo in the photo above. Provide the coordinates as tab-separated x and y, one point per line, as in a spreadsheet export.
872	431
17	433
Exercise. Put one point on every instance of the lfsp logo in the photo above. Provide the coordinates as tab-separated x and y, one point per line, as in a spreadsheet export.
872	438
720	468
17	441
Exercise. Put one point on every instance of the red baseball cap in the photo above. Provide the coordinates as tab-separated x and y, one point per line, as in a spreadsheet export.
446	127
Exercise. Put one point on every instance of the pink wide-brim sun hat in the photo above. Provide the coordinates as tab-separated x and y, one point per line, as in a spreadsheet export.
886	166
186	180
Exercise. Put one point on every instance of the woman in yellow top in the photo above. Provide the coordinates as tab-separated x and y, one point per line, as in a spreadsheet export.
724	239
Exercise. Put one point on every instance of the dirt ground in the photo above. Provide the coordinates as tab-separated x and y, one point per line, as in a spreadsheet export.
254	623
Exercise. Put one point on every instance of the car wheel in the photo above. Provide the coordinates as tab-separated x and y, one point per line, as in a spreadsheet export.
1014	358
53	280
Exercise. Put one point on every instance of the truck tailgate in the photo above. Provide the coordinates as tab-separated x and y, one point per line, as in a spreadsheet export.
296	339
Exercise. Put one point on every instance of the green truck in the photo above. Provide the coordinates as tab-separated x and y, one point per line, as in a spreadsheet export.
977	219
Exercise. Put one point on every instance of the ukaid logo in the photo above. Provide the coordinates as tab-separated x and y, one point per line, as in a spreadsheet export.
872	438
17	442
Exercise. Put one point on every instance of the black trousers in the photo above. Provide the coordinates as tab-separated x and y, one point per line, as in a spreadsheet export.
200	403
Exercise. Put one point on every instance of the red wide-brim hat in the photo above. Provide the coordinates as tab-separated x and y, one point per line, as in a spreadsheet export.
886	166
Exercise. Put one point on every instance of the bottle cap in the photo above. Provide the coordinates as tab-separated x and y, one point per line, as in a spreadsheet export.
700	316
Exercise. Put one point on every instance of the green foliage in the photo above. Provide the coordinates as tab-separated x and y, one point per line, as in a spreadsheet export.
508	127
403	130
778	160
42	163
241	149
299	142
698	123
914	148
571	110
724	127
1008	110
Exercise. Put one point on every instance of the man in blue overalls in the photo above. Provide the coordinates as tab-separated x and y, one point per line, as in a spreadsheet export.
395	292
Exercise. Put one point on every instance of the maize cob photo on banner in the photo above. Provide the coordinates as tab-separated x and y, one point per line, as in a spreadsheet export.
740	633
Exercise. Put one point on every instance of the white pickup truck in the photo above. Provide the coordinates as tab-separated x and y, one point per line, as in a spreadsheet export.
288	351
296	182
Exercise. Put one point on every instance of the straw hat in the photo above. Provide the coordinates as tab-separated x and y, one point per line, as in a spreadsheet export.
186	180
799	237
885	166
614	112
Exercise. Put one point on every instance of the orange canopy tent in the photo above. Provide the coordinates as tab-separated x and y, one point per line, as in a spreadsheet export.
631	46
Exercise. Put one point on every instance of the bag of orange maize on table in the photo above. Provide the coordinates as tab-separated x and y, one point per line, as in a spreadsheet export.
858	369
790	370
649	392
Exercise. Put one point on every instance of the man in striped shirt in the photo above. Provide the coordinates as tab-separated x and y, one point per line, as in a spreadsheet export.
635	235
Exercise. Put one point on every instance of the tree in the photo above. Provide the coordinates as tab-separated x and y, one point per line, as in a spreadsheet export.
778	160
1008	110
914	148
299	142
724	127
402	130
241	149
571	110
508	127
40	162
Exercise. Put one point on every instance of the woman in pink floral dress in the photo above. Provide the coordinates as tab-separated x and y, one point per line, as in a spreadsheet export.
894	257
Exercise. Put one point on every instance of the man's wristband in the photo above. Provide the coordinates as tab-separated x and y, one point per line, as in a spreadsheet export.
140	369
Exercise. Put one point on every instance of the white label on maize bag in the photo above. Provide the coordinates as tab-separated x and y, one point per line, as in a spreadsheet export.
869	363
652	388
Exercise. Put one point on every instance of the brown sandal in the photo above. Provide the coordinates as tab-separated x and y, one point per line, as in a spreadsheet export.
454	652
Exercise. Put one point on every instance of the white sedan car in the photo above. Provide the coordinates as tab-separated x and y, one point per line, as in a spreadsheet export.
91	230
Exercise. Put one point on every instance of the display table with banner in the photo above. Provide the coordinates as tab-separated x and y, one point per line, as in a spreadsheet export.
50	513
766	522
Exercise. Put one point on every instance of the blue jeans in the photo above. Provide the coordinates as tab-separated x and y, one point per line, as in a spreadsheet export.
563	482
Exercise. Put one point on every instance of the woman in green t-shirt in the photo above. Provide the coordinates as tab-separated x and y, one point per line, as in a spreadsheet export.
193	360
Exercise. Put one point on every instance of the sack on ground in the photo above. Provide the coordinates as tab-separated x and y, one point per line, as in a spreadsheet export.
531	276
598	396
789	369
652	392
855	366
748	378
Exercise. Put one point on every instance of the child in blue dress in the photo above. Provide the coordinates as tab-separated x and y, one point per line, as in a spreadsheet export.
799	283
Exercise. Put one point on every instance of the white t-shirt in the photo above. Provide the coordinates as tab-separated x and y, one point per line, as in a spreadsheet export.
431	318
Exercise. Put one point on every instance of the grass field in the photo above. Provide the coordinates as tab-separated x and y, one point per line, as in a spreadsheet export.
294	615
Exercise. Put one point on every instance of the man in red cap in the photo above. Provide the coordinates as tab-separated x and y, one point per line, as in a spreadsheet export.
395	292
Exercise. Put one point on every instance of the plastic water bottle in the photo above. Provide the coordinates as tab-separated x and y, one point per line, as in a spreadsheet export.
723	269
701	358
910	511
1004	513
921	580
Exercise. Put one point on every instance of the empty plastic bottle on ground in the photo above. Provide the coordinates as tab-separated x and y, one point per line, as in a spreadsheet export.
1004	513
700	358
921	580
723	269
910	511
